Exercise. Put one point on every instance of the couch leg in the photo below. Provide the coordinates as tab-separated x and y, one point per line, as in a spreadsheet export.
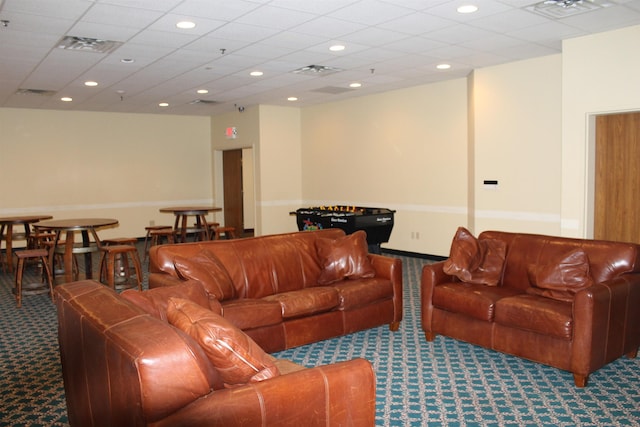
430	336
632	354
394	326
580	380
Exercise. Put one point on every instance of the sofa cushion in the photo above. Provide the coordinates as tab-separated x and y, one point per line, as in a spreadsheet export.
562	277
477	261
208	270
471	299
234	354
545	316
154	301
344	257
249	313
363	292
306	302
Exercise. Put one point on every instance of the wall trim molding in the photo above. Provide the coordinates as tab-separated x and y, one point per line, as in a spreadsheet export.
105	206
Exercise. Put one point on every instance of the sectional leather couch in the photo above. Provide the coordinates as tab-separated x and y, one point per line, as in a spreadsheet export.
289	289
569	303
181	365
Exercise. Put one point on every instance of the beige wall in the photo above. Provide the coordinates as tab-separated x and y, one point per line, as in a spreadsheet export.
600	75
274	134
404	150
247	124
425	152
123	166
517	141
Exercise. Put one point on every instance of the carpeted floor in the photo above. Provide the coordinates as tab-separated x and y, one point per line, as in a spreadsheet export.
443	383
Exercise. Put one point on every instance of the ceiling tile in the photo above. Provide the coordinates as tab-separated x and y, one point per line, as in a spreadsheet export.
390	44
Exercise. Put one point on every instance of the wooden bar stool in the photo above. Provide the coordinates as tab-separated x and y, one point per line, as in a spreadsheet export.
37	288
120	241
154	235
229	232
115	269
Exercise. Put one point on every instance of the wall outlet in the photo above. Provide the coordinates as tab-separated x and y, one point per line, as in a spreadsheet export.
152	222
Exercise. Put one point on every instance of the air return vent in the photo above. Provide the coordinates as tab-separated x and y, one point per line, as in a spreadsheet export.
334	90
40	92
204	101
87	44
560	9
316	70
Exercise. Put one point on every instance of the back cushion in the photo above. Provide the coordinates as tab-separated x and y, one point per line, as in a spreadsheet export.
607	259
154	301
272	264
258	266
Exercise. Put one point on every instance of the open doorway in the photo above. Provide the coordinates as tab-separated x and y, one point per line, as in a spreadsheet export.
238	190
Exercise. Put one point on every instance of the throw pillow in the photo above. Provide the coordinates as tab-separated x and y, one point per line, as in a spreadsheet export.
207	269
234	354
562	277
344	257
477	261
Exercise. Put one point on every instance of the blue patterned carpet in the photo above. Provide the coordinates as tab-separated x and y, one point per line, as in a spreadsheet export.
451	383
443	383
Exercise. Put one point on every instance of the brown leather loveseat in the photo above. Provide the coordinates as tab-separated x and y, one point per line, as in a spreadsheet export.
291	289
569	303
123	366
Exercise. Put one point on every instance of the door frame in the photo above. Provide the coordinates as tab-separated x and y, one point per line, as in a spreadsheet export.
218	182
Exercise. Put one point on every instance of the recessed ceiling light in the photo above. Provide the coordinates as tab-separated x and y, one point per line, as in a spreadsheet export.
202	91
292	98
355	84
186	25
467	8
256	73
91	83
443	66
127	60
66	99
336	48
163	104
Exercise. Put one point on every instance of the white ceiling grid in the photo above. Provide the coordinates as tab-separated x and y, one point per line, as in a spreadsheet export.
390	44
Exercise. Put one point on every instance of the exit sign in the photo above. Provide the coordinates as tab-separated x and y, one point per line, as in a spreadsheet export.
231	133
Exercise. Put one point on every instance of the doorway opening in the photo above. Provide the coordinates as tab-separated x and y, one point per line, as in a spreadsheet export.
235	182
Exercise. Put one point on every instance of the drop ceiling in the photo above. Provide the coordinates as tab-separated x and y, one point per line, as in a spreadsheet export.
147	60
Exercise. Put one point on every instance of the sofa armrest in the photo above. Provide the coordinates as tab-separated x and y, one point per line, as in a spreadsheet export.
606	323
338	394
390	268
158	280
432	275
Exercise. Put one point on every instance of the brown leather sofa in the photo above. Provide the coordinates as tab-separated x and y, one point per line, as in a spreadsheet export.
291	289
125	367
569	303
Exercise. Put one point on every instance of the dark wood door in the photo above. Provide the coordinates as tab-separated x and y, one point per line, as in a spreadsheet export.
617	180
232	177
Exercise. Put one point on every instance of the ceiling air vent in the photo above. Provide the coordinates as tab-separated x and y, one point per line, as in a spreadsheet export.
316	70
87	44
41	92
334	90
563	8
204	101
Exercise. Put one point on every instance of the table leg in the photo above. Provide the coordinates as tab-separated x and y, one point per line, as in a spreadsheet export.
9	247
68	256
52	256
183	236
2	227
88	266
